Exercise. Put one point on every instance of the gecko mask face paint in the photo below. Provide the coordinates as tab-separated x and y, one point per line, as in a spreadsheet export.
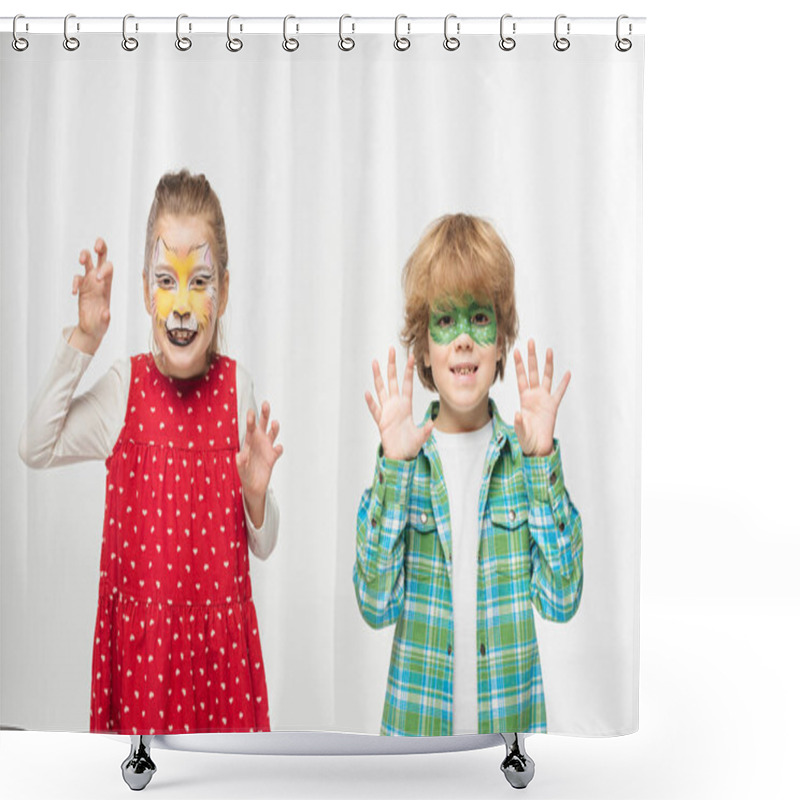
477	320
183	295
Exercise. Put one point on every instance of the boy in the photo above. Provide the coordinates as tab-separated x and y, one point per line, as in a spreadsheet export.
467	525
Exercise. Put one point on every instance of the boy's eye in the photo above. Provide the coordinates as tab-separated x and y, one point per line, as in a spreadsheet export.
481	318
444	321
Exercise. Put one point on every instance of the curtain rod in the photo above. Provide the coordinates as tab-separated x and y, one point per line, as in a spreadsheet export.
323	25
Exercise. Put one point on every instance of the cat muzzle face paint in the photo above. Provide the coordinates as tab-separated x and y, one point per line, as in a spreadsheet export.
447	322
183	291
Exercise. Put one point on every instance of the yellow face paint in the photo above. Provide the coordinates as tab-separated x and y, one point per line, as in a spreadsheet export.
183	288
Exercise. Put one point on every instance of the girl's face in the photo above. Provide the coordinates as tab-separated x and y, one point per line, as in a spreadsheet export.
462	354
184	294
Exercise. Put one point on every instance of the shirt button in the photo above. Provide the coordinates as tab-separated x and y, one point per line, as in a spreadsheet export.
561	526
483	649
512	515
423	517
449	650
380	477
374	522
553	478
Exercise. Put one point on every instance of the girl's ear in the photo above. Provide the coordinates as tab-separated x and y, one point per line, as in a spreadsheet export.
146	293
223	293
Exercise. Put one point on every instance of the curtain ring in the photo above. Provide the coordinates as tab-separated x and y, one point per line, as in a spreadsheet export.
346	43
70	42
623	45
129	43
18	42
561	43
233	44
506	42
451	42
289	45
401	42
183	43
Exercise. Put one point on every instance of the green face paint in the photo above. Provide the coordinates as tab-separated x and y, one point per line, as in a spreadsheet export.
476	319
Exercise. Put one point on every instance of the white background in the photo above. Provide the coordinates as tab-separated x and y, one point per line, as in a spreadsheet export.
719	537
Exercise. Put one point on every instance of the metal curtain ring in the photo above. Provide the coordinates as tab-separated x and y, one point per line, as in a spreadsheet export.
451	42
506	42
183	43
233	44
346	43
18	42
401	42
561	43
623	45
70	42
129	43
290	45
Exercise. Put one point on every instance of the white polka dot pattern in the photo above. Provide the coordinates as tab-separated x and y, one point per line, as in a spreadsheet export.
176	640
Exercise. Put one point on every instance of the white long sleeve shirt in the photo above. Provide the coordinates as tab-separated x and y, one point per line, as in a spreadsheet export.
64	429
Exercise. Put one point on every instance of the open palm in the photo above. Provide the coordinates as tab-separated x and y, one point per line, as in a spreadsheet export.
258	453
535	421
392	412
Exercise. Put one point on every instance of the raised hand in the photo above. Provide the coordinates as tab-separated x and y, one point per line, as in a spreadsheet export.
94	299
535	421
400	437
256	459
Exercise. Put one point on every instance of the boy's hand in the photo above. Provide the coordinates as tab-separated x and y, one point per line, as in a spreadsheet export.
535	421
255	461
400	437
94	298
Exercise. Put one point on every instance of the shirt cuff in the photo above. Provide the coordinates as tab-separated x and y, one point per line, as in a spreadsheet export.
70	356
392	481
544	476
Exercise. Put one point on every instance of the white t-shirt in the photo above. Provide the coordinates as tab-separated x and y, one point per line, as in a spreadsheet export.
62	429
463	456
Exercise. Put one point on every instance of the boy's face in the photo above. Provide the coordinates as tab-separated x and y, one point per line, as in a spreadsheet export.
183	295
462	355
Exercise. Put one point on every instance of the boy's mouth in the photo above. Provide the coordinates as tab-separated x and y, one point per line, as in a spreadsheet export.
464	369
181	337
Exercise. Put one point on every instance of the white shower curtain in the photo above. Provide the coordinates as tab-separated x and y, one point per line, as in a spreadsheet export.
328	165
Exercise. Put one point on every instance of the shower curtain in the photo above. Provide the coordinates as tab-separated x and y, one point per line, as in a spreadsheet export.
329	165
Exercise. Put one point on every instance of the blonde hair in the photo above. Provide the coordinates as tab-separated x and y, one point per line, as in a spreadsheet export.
458	256
183	194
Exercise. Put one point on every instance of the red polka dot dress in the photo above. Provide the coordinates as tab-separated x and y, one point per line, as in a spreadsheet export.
176	645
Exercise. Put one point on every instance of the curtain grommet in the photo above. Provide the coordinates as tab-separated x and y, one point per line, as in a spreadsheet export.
451	43
561	43
183	43
289	44
346	43
401	43
507	43
129	43
233	44
71	43
19	43
623	44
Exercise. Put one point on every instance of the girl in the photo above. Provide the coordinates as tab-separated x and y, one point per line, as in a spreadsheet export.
176	646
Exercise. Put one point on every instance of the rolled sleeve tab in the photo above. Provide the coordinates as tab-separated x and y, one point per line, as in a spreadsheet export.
393	481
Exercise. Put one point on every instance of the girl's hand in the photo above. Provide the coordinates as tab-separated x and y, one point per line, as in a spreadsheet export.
94	298
400	437
255	461
535	421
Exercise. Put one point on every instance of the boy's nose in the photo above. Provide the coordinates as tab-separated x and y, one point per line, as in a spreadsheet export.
463	341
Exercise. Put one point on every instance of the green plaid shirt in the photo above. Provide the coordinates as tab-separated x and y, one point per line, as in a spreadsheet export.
530	556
